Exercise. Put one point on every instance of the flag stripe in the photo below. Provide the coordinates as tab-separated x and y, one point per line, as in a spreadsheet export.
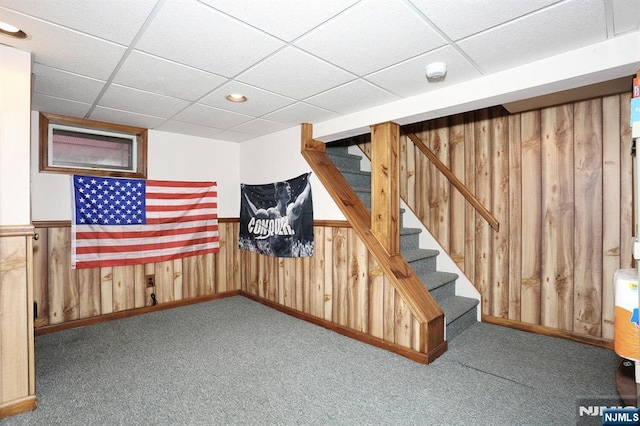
132	246
141	261
120	221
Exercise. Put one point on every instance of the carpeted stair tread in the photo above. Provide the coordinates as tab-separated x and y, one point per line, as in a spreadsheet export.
413	255
437	279
409	231
456	306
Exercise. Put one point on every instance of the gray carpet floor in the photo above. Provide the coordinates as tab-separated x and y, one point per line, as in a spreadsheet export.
236	362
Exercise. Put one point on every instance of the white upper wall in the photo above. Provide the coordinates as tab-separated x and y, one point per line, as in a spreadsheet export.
170	156
277	157
15	106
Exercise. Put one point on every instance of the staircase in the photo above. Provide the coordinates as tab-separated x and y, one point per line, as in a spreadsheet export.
460	312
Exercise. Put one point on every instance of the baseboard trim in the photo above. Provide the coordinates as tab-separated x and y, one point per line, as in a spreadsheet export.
132	312
18	406
353	334
546	331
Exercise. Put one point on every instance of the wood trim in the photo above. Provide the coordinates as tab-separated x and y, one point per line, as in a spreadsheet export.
16	231
43	148
67	223
18	406
353	334
133	312
455	182
547	331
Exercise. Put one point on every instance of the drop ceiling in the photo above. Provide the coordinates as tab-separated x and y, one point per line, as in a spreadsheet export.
169	64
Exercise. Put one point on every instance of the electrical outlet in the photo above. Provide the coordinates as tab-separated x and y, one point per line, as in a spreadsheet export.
151	280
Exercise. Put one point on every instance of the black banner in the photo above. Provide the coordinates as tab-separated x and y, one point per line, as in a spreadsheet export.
276	219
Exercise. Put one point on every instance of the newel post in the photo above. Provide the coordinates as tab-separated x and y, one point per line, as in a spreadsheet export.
385	189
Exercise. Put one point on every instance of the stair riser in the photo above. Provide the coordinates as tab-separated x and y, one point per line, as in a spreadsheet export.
444	291
346	163
424	266
358	179
461	323
409	241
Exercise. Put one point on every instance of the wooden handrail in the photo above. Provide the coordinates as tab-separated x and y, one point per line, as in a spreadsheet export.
493	222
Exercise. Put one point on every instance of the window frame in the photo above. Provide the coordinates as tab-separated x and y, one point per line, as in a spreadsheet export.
47	119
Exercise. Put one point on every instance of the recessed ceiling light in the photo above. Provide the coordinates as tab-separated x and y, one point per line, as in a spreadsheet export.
236	97
10	30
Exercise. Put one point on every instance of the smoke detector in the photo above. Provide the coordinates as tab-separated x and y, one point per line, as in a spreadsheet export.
436	70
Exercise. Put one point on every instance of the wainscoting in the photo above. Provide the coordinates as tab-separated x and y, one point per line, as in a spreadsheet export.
559	182
340	287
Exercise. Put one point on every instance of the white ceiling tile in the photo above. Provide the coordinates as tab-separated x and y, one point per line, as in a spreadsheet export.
115	20
461	18
295	74
409	78
174	126
260	127
211	117
141	102
168	78
57	47
110	115
300	113
194	34
289	20
259	102
231	136
62	84
626	16
560	28
59	106
359	93
370	36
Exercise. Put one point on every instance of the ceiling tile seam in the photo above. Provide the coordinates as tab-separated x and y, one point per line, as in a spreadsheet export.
608	18
126	54
448	40
274	36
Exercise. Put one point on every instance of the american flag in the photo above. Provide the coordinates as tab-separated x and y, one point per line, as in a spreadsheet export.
119	221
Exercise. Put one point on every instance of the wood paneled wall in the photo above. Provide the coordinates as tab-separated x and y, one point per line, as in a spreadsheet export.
559	181
340	285
63	295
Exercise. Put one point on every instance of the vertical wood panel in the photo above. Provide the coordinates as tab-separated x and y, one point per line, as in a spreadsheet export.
40	275
403	321
222	279
316	294
357	302
63	296
558	210
328	274
14	324
106	290
89	292
515	217
587	293
457	211
123	288
611	205
500	210
411	173
177	279
376	299
340	276
439	142
483	233
626	182
531	257
469	224
389	325
140	291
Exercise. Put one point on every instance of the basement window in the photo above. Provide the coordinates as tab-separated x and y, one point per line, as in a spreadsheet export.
78	146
